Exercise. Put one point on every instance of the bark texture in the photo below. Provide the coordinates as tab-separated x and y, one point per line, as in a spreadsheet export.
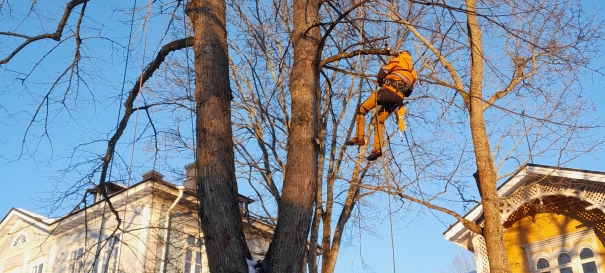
217	188
287	250
486	170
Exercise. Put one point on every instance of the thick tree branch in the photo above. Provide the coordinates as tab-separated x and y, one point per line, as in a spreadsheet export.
468	224
352	54
128	104
518	77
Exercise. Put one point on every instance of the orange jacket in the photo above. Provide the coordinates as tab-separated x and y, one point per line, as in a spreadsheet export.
400	67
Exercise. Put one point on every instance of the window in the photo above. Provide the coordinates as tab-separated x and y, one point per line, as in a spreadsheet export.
37	268
75	260
565	261
587	259
543	264
193	255
110	255
21	239
575	252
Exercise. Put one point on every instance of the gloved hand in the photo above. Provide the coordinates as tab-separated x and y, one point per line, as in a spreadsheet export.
380	81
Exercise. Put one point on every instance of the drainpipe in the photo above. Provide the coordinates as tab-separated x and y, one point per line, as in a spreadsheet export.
167	227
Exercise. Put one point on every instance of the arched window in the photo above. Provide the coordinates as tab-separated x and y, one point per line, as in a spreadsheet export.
588	262
542	263
20	240
574	252
586	253
565	259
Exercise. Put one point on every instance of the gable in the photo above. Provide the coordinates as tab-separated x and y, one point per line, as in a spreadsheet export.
534	182
19	224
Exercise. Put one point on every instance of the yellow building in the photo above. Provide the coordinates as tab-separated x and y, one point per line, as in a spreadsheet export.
553	220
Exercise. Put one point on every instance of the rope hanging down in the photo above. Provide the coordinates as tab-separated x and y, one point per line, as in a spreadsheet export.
146	22
103	219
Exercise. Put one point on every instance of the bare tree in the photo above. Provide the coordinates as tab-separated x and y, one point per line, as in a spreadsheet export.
462	262
468	100
217	187
539	49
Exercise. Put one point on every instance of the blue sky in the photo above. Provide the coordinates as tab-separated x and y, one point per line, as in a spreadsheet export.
30	171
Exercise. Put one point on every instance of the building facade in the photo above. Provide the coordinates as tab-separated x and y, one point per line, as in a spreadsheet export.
151	226
553	221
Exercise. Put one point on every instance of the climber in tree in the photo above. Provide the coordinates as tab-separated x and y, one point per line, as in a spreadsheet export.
395	81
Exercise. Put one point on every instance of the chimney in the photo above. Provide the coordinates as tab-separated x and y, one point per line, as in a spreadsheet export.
191	177
153	176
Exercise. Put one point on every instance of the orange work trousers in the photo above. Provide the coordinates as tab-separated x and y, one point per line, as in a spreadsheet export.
389	100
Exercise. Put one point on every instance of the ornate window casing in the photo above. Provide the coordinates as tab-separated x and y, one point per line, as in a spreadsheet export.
575	252
21	239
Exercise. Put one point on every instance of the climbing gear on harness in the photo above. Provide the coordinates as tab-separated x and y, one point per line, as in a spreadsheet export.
401	87
375	154
403	78
355	141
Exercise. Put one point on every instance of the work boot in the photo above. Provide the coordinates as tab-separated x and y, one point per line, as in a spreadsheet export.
374	155
355	141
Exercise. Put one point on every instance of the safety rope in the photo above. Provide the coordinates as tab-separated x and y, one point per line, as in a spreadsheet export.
98	251
379	132
386	176
134	6
139	95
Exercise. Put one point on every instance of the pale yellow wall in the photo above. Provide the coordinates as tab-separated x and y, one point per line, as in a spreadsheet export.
143	239
539	227
36	248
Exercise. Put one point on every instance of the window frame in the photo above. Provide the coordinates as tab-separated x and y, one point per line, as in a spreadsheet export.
538	262
16	242
75	260
36	266
572	244
197	248
110	255
588	260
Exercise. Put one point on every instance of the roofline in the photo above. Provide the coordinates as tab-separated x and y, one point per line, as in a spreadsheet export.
567	169
479	206
72	213
510	185
52	221
24	214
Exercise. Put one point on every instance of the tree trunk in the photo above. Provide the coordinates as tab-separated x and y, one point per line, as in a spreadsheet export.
217	187
295	209
496	250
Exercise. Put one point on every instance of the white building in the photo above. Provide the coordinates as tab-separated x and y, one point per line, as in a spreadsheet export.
159	232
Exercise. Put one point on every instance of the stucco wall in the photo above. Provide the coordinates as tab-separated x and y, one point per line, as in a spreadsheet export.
539	227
